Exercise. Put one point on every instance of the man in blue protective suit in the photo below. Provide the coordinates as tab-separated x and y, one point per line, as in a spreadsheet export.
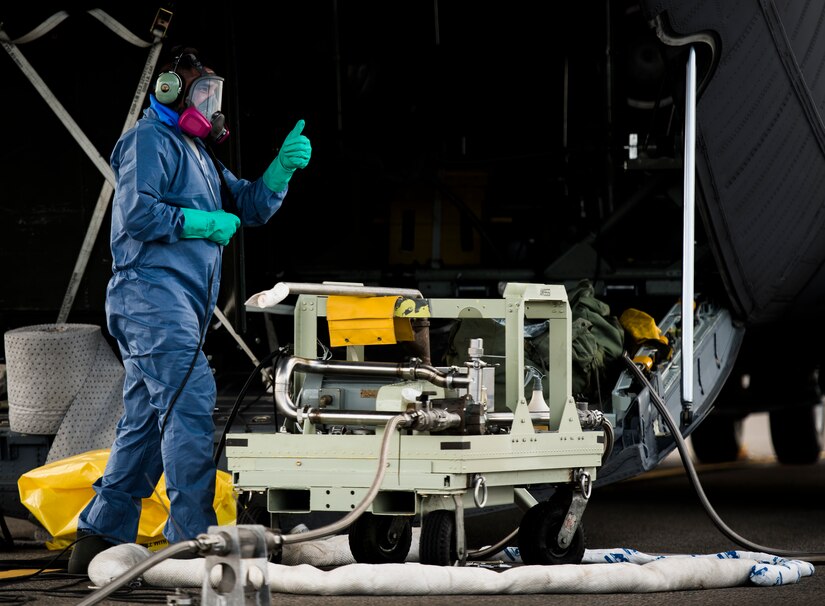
170	224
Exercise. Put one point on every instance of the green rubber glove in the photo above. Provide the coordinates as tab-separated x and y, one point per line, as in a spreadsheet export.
295	153
217	225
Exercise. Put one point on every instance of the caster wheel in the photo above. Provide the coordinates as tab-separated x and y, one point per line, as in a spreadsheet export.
437	544
539	530
380	539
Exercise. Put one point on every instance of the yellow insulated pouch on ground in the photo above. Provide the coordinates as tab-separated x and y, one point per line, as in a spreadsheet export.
57	492
365	321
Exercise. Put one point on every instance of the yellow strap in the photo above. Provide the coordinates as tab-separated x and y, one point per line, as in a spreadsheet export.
412	308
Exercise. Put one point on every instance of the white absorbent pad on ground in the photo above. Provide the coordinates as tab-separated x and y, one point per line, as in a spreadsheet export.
603	571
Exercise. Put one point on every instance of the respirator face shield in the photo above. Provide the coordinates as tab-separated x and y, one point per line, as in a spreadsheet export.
205	95
202	116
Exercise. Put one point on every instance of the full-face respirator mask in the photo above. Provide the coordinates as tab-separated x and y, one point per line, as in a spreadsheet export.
201	116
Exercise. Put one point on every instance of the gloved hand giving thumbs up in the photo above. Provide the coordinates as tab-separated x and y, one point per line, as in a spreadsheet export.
295	153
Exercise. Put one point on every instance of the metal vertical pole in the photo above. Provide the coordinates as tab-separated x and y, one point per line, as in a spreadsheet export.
158	30
60	111
108	187
688	234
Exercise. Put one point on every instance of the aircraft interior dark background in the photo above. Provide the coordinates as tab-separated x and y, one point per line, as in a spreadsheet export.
456	146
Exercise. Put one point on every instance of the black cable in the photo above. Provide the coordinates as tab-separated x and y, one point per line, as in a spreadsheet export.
139	595
100	594
40	574
227	198
49	563
234	210
233	413
16	599
251	402
197	351
6	541
681	446
62	591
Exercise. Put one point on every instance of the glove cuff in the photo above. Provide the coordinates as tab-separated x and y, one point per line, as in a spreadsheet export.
196	223
277	176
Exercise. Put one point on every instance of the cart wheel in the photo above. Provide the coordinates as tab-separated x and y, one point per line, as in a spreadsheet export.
539	530
380	539
437	543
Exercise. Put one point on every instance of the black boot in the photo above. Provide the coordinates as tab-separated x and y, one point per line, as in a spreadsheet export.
87	547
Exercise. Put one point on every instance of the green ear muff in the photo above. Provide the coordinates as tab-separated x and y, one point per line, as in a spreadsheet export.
168	87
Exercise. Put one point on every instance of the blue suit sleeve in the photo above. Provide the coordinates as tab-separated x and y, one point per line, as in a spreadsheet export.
256	203
144	163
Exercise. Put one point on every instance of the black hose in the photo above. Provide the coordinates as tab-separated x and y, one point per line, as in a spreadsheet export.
681	446
197	350
236	406
191	546
609	440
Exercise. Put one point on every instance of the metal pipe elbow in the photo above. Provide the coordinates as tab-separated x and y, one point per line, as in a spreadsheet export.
280	386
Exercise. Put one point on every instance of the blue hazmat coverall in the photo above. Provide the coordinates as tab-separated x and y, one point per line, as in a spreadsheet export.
158	305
